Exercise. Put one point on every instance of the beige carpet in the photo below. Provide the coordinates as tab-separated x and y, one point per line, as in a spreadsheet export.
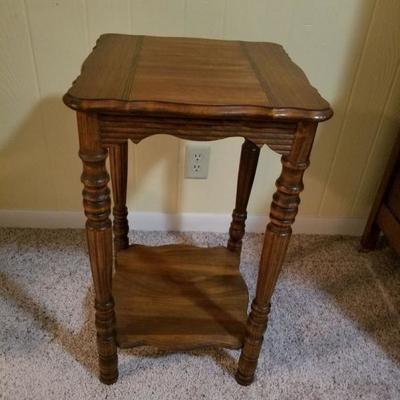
334	330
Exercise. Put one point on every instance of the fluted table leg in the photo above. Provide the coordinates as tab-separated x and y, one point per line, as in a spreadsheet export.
247	170
96	201
119	176
283	212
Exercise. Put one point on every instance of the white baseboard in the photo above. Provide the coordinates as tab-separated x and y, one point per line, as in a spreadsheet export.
149	221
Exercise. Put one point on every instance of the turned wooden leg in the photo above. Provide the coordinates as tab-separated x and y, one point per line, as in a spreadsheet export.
283	212
96	201
247	170
119	176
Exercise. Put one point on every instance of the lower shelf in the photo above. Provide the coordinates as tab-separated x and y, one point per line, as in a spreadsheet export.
179	297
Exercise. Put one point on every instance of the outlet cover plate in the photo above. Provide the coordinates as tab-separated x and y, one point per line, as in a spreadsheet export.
197	159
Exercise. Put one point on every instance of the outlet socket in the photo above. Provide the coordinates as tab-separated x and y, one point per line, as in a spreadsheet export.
197	159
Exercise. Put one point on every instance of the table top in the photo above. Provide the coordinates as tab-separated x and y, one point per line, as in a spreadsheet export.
188	77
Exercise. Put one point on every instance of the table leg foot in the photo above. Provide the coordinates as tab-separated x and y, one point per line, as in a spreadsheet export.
108	379
243	379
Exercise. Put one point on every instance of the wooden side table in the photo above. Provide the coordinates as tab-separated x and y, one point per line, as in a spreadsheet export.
180	296
385	213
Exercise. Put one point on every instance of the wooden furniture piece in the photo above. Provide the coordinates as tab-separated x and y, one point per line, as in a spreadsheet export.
385	212
180	296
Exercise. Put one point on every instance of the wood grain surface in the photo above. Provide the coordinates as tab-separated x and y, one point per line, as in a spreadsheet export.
179	297
194	77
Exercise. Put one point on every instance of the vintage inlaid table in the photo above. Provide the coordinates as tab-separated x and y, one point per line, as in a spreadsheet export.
179	296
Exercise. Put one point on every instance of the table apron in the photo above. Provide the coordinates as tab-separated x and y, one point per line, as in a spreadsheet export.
116	129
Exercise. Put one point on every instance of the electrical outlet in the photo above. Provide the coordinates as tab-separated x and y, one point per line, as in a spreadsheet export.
196	161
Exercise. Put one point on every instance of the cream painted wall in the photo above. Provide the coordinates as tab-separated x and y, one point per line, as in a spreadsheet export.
348	48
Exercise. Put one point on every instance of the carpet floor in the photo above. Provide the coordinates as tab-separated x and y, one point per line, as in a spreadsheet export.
334	330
